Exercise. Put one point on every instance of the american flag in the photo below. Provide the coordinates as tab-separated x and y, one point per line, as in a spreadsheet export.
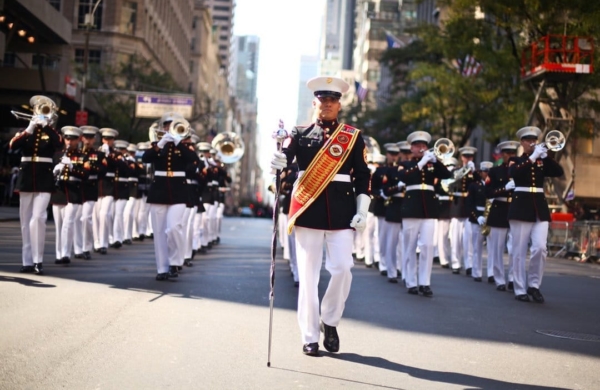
361	91
469	67
393	41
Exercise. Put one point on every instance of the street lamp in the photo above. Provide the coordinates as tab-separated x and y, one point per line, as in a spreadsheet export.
88	22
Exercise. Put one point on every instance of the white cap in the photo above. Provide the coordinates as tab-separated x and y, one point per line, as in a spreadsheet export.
170	116
213	151
508	145
421	136
195	139
467	150
71	130
391	148
108	132
450	161
132	147
529	131
328	86
404	146
144	145
121	144
203	146
485	165
378	158
89	130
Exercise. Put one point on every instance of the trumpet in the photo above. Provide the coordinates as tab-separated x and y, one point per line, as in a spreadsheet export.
43	107
178	128
554	140
229	146
443	148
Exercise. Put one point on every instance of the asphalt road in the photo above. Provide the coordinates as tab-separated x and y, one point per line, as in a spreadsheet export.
107	324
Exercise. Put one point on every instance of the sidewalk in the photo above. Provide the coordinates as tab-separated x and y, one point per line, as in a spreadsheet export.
9	213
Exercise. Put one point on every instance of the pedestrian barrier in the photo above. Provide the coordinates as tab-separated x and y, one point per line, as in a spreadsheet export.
584	242
559	234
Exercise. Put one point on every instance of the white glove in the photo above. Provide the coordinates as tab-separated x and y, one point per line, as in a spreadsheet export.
510	185
544	154
359	221
40	120
58	169
539	150
471	166
279	161
31	127
164	140
66	161
105	149
428	156
480	221
176	139
401	185
382	194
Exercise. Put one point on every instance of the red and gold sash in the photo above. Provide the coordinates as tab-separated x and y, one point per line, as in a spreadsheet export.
321	171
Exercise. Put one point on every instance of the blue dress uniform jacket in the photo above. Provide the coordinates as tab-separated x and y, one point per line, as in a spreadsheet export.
531	206
475	201
170	164
122	173
96	171
192	176
285	191
421	203
106	186
224	179
377	206
460	190
136	169
494	189
444	201
68	183
36	175
210	176
336	205
393	208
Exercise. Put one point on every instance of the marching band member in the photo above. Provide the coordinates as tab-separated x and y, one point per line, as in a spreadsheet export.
371	234
405	155
392	153
458	226
192	200
198	218
419	211
142	227
84	225
69	172
121	194
207	196
443	223
38	143
499	189
224	181
527	222
103	210
324	209
168	196
475	203
132	206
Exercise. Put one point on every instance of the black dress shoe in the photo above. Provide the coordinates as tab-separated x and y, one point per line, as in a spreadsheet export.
87	255
179	268
66	260
38	269
163	276
376	265
102	251
218	240
311	349
369	265
57	261
296	284
96	250
446	266
535	294
188	263
413	291
78	255
393	280
501	287
383	273
331	341
456	271
136	239
151	236
26	269
202	250
360	259
477	279
522	298
209	245
426	291
116	245
193	253
510	286
491	279
127	242
436	259
173	271
468	272
142	236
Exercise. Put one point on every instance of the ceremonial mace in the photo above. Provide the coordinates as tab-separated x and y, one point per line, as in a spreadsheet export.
279	135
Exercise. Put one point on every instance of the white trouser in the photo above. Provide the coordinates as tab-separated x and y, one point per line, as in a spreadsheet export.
291	242
477	244
118	230
129	216
84	235
220	211
371	240
167	224
283	238
213	221
460	243
105	219
33	216
522	232
436	251
443	241
188	218
142	218
383	232
197	230
509	248
392	238
414	230
359	244
338	261
206	225
400	258
495	250
96	224
64	221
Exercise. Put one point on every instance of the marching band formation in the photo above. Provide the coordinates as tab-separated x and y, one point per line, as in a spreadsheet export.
169	189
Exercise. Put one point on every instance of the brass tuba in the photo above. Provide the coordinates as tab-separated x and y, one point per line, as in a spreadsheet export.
443	148
43	106
485	229
229	146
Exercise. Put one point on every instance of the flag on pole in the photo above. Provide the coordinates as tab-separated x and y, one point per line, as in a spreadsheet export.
570	195
393	41
361	91
469	66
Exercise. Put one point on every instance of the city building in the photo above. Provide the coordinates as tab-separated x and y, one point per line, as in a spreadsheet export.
309	68
223	12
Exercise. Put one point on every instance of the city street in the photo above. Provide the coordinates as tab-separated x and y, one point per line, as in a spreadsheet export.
107	324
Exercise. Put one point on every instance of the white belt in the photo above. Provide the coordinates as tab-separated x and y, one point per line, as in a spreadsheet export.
122	179
443	197
339	177
479	208
463	194
110	174
92	177
398	195
170	173
192	181
529	189
500	199
423	187
37	159
135	179
71	178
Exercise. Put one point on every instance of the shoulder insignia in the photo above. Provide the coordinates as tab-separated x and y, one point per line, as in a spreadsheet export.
104	162
384	179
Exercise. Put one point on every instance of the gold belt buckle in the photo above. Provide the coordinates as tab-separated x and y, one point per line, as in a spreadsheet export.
35	159
532	189
423	186
170	174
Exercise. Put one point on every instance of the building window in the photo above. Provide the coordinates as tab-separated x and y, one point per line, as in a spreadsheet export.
93	56
223	47
55	4
85	7
10	59
221	8
128	18
226	18
44	62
